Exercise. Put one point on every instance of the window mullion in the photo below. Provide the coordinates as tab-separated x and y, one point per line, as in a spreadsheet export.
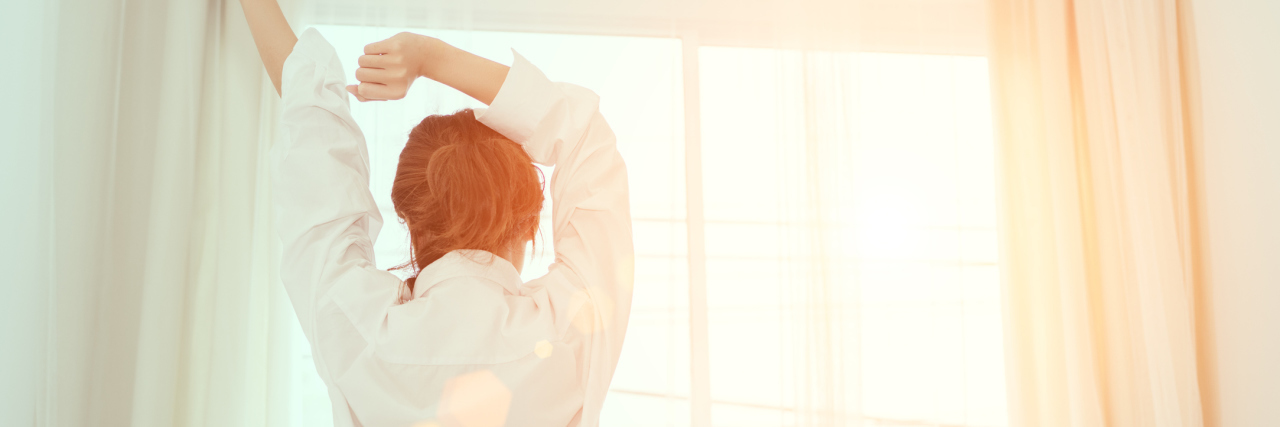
699	354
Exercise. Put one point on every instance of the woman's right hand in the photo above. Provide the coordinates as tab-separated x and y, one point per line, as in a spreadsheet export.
389	67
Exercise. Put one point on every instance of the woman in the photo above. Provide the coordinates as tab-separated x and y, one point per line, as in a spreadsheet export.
464	342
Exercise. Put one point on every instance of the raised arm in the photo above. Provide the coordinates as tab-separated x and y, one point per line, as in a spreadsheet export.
271	33
389	67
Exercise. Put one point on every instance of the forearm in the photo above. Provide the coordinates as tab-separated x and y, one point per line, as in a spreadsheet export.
389	67
469	73
272	35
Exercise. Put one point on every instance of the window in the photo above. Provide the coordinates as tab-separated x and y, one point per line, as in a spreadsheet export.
850	234
848	225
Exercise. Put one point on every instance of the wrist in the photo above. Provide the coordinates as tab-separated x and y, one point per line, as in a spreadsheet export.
432	56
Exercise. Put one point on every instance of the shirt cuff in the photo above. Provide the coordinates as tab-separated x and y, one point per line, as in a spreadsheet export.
311	68
523	101
311	47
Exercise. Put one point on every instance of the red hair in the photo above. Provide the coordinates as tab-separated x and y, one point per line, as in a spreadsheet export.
462	185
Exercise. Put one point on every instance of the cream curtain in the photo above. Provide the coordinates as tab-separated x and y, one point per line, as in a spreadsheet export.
1096	135
156	302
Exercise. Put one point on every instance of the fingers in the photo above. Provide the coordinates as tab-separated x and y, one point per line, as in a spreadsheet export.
375	91
384	73
355	91
385	46
373	61
375	75
377	83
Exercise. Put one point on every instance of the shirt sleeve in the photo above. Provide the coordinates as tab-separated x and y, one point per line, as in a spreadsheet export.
325	214
560	125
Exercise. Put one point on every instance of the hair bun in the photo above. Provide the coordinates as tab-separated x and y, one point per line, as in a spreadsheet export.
461	185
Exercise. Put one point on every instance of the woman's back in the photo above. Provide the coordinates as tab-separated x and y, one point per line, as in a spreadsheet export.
471	344
459	351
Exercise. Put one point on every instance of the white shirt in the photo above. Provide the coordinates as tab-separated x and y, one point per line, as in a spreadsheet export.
474	346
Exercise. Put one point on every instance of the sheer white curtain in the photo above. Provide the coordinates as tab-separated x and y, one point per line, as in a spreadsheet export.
1097	116
154	302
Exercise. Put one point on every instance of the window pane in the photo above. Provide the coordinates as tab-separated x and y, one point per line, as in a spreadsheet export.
851	248
625	409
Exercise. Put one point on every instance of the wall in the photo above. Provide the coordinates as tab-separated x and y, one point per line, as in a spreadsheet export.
1239	48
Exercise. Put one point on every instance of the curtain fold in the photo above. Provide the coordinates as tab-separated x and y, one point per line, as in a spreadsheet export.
165	308
1097	241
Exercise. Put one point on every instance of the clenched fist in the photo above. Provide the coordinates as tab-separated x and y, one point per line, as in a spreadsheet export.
389	67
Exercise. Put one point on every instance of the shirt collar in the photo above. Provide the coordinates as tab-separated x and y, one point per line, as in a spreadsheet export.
468	263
